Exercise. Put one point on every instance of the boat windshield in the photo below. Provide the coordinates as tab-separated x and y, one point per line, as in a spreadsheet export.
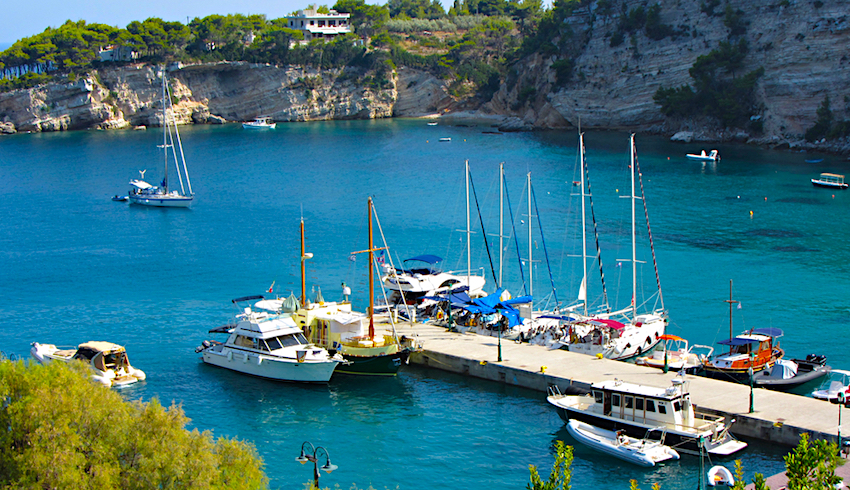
289	340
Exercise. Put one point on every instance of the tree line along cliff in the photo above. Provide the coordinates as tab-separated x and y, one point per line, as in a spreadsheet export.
768	71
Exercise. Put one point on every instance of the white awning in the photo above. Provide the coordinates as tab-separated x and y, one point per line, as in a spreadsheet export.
141	184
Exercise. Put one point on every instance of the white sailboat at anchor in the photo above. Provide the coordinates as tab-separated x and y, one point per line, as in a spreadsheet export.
147	194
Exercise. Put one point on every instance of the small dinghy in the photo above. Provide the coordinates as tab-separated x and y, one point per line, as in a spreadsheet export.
118	198
643	452
445	139
720	476
838	382
713	156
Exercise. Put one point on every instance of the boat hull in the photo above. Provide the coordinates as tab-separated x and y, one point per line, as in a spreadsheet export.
686	442
162	201
830	185
639	452
272	368
762	381
378	365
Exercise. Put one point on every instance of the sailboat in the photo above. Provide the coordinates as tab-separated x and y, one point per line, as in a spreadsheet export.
162	195
351	333
602	335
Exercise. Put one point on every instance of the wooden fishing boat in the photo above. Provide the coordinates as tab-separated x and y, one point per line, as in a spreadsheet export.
677	355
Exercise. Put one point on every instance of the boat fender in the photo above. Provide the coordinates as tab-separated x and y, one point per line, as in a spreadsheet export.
648	340
230	355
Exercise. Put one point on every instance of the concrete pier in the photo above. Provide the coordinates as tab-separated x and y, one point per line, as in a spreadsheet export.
778	417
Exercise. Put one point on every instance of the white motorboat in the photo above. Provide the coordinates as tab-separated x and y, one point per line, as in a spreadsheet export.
267	343
109	362
422	276
262	122
835	181
713	156
720	475
162	195
643	452
677	355
616	405
837	382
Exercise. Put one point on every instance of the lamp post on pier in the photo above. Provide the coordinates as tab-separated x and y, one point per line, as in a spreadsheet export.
750	373
312	453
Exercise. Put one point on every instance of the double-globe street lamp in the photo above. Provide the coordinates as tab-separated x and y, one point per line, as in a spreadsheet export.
312	453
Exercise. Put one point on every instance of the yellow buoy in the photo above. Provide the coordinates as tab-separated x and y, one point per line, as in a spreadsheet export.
542	369
599	356
483	363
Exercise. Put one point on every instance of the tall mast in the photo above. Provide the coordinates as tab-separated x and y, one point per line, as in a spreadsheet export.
303	272
501	217
583	226
164	133
371	277
731	302
634	238
530	265
468	233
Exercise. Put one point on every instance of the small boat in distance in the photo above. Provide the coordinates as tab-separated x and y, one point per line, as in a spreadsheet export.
815	160
146	194
261	122
109	362
432	123
714	156
642	452
835	181
445	139
118	198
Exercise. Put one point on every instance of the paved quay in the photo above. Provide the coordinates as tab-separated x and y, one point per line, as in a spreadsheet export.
778	417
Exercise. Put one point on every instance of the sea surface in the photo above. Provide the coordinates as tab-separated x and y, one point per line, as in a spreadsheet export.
76	266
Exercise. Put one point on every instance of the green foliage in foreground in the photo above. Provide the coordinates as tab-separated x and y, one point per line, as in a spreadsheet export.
810	466
60	430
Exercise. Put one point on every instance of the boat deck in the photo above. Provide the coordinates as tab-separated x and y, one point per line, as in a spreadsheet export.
778	417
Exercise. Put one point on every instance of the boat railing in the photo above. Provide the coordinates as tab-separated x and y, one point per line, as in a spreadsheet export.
477	272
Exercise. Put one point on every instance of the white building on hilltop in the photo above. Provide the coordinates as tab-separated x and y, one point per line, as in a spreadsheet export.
320	26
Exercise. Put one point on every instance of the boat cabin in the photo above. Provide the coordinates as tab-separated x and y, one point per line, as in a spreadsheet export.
754	350
644	404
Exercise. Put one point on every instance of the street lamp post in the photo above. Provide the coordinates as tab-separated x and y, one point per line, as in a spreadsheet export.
750	373
312	453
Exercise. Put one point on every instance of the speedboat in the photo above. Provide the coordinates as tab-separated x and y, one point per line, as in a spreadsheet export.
720	475
109	362
834	181
422	276
837	382
676	355
790	373
713	156
262	122
163	195
616	405
643	452
267	343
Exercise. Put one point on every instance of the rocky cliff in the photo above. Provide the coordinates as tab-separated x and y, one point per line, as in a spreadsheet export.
801	44
212	93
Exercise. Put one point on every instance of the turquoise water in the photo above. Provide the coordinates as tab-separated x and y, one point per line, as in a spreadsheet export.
77	266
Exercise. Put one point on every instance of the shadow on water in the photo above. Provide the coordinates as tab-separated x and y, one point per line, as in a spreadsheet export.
703	241
774	233
800	200
794	249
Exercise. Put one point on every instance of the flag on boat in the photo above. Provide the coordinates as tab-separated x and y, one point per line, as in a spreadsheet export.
271	288
352	258
739	305
380	258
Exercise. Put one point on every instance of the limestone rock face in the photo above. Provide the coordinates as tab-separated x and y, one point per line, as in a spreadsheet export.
802	48
206	94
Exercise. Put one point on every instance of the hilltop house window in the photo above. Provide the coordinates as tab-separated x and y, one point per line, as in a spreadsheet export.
321	23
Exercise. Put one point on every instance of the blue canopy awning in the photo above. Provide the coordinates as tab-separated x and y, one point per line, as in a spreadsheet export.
738	341
427	258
